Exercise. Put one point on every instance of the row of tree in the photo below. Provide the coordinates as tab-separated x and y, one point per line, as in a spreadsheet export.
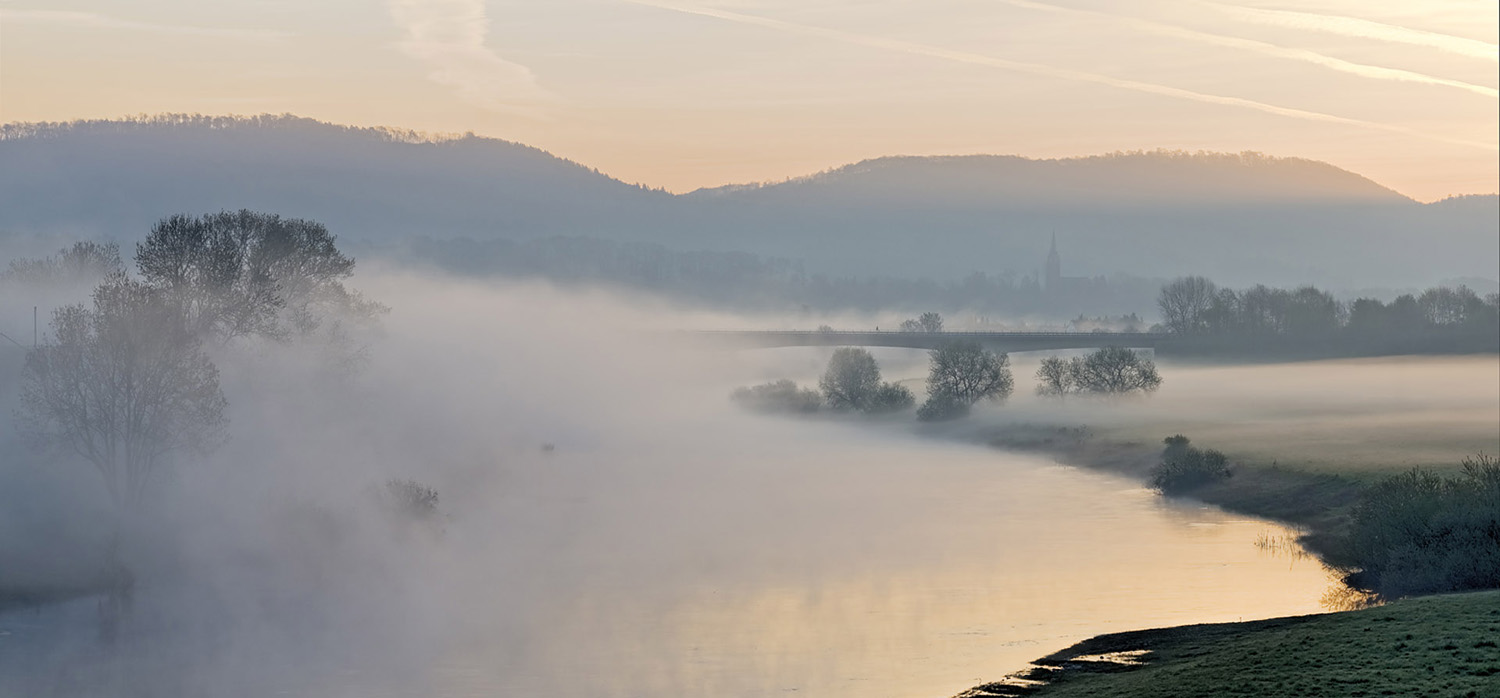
960	374
1194	305
744	280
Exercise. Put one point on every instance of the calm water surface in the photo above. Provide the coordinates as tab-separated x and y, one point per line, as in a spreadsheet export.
768	559
862	565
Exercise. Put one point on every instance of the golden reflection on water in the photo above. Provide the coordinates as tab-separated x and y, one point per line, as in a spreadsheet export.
936	568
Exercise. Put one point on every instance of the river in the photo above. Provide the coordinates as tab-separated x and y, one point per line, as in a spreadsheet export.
817	559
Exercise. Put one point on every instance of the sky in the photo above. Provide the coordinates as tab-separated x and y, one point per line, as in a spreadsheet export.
684	94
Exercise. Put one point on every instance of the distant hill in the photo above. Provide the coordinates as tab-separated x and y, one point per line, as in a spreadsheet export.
1142	178
1238	218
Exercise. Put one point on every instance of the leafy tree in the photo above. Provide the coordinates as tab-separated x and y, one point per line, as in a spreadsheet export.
962	373
851	379
123	385
1185	303
244	273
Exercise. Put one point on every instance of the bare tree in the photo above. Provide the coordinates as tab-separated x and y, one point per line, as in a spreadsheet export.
962	373
1114	371
123	385
1185	304
1055	377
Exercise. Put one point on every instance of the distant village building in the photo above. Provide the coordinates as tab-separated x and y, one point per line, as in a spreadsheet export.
1053	282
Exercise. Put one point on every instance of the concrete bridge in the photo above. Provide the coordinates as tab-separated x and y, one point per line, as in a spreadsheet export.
997	341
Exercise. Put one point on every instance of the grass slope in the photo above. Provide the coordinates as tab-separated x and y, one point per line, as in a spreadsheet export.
1432	646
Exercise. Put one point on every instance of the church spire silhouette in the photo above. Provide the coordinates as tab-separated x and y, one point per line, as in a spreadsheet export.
1054	268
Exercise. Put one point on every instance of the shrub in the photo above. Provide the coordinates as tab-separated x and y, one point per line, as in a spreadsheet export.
1184	468
1418	533
890	397
777	397
409	500
942	406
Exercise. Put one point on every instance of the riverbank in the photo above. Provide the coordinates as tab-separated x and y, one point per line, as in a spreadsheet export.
1441	645
1436	645
1316	503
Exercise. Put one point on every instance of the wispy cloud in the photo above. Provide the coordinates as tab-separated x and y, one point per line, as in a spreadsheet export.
91	20
449	37
1053	72
1362	28
1264	48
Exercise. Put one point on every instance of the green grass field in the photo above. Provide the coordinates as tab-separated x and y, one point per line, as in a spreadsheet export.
1432	646
1362	448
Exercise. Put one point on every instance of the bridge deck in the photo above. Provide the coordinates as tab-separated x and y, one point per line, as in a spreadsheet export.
1003	341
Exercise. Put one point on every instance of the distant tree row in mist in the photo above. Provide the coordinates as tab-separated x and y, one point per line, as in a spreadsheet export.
1438	319
961	374
743	280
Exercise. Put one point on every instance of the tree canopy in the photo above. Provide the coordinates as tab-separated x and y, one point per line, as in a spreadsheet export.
962	373
851	379
244	273
1107	371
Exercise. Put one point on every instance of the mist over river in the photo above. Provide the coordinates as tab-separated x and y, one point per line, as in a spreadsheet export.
868	565
815	559
611	526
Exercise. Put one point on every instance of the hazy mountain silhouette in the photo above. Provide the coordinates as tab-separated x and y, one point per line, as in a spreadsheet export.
1161	177
1238	218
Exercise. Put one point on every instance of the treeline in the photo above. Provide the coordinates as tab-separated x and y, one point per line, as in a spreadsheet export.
1263	319
961	373
744	280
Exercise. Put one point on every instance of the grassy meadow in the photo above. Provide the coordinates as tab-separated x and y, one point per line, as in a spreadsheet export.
1431	646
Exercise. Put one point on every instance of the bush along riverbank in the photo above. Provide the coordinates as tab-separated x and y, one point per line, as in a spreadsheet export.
1416	533
1409	534
1318	504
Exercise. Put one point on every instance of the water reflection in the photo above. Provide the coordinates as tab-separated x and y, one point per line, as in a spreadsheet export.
899	568
788	562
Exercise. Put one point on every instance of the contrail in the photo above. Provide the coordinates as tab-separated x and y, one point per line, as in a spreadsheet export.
1050	71
1264	48
1362	28
449	37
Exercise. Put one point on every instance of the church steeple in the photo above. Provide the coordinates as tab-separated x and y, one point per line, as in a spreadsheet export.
1054	267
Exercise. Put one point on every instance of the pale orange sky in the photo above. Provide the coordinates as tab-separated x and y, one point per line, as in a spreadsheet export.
689	93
